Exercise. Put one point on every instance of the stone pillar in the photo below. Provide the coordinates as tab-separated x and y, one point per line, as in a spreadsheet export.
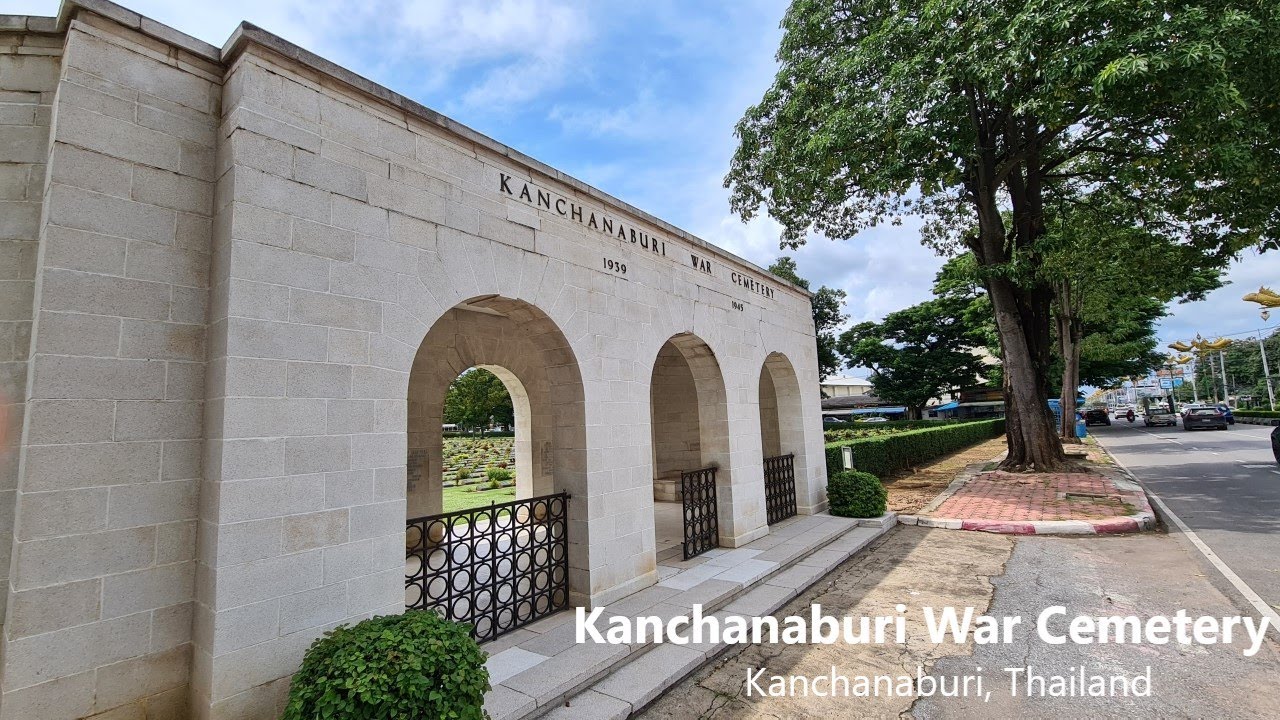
99	604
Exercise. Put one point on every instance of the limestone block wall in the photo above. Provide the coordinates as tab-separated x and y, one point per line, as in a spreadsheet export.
99	602
242	257
29	62
769	435
677	444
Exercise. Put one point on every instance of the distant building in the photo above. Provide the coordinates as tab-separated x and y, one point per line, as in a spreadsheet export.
835	387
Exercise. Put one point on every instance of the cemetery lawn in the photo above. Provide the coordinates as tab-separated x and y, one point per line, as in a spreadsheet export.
461	498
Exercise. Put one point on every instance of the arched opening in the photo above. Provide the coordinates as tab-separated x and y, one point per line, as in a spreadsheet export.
689	421
781	435
500	565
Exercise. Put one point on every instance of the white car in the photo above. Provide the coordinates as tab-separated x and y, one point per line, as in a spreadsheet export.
874	420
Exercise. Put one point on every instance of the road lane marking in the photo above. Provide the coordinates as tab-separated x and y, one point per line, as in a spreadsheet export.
1240	585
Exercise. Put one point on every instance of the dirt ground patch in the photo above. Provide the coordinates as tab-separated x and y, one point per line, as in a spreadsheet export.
915	566
909	492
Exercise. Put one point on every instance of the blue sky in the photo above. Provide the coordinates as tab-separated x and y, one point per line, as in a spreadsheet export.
638	99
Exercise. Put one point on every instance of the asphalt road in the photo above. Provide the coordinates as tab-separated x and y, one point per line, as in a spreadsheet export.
1225	485
1144	575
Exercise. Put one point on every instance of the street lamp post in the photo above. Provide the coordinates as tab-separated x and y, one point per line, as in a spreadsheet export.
1266	372
1266	299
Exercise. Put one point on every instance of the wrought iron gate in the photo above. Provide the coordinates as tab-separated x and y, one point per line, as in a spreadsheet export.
779	487
701	528
496	568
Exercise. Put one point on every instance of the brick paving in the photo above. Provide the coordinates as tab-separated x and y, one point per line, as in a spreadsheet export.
1056	496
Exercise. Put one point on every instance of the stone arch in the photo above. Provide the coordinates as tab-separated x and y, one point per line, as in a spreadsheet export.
781	417
520	344
689	424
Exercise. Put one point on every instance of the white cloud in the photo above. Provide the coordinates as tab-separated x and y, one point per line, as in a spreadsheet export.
1223	312
525	46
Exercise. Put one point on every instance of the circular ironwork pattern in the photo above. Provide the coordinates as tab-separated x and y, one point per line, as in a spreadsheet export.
779	488
701	526
495	568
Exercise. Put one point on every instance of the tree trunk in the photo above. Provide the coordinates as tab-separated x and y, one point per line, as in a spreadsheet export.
1023	323
1070	332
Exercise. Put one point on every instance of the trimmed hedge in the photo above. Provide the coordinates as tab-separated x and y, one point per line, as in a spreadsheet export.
488	434
856	494
833	432
1268	414
885	454
415	665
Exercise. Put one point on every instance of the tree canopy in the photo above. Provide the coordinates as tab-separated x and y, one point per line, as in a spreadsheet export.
917	354
476	399
977	115
828	314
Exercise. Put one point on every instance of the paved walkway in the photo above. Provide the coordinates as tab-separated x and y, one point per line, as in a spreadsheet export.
1015	496
1102	499
1004	576
540	669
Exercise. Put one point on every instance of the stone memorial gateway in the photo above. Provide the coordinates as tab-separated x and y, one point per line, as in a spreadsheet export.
234	285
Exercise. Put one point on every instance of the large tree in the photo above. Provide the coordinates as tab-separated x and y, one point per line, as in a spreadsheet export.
917	354
974	115
1111	276
828	314
477	398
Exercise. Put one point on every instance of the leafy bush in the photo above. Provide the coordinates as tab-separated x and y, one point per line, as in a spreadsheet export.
415	665
1257	413
499	475
883	455
464	472
855	494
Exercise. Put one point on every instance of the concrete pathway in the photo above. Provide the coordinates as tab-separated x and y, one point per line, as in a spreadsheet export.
1002	575
541	669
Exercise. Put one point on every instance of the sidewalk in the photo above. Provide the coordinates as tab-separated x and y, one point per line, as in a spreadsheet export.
540	670
1101	500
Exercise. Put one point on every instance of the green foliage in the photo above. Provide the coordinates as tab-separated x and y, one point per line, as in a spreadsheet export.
855	494
1264	414
499	475
917	354
477	398
415	665
979	117
828	314
884	455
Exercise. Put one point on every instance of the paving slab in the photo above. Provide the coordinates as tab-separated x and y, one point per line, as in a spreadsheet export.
503	703
511	662
761	600
591	705
640	682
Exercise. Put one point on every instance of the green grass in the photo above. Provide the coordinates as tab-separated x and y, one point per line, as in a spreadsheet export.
461	498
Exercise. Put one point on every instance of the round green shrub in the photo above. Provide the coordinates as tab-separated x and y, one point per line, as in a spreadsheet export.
855	494
499	475
415	665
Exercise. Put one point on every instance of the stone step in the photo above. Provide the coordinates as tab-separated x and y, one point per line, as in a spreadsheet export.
541	671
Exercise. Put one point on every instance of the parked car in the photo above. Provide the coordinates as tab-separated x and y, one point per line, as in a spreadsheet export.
1275	443
1204	417
874	420
1161	418
1097	416
829	420
1225	409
